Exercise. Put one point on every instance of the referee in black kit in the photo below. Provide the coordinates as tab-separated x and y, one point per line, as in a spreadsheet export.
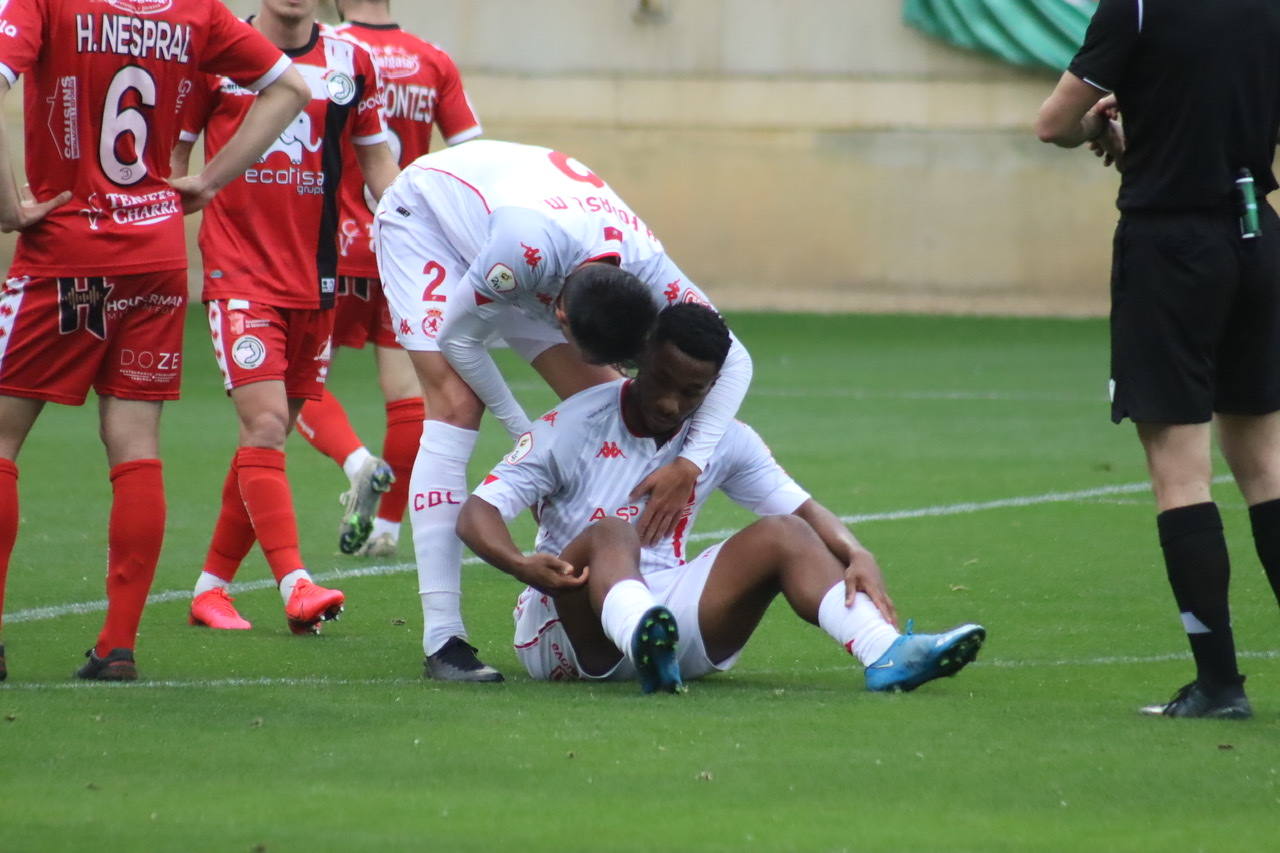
1195	282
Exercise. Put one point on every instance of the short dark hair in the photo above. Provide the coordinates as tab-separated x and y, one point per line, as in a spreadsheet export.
696	330
610	312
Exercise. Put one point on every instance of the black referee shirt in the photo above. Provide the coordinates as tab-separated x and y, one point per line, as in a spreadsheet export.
1198	82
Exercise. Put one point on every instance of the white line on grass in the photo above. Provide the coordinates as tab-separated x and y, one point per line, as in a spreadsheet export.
39	614
923	394
320	681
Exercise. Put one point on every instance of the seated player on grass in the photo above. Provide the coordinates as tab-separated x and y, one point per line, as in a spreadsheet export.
598	606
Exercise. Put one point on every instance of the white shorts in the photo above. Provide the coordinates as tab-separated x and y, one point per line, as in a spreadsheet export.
422	270
544	648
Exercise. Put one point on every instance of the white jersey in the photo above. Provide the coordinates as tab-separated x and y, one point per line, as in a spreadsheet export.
525	217
504	224
580	461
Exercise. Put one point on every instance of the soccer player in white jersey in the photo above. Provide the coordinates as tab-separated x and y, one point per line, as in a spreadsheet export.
484	241
597	606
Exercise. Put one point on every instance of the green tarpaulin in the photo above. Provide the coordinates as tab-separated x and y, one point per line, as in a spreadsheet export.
1045	33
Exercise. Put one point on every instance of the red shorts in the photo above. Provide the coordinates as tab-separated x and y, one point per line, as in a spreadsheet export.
362	314
254	342
120	335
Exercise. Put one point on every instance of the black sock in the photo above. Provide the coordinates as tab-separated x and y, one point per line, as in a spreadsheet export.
1195	557
1265	518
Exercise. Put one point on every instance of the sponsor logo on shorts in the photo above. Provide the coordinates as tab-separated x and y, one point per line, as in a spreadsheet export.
432	322
249	352
524	446
147	367
501	278
235	322
340	86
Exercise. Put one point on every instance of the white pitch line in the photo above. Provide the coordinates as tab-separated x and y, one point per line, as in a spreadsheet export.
922	395
39	614
319	681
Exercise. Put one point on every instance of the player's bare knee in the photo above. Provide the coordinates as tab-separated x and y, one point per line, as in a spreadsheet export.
615	533
783	533
264	429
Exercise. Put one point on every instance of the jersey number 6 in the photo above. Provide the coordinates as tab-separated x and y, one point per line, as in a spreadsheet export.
123	163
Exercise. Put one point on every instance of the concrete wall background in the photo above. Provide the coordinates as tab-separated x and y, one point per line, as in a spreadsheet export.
804	154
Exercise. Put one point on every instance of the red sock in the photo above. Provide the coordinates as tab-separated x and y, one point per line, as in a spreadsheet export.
324	424
134	538
265	490
233	534
8	521
399	449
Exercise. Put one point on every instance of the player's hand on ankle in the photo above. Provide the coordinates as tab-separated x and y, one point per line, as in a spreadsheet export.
549	574
863	575
669	489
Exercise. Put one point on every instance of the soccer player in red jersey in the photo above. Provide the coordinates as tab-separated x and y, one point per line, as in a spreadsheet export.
270	250
422	88
97	288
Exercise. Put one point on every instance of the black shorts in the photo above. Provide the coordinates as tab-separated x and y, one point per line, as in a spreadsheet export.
1195	317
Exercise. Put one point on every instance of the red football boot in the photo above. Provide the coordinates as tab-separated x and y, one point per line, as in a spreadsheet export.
310	604
214	609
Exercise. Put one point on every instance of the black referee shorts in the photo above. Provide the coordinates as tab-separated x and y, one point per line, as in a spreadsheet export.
1195	317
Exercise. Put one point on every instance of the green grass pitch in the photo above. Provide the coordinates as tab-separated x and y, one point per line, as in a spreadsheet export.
927	426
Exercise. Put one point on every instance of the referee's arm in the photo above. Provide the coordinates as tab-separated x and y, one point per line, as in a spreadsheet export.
1067	117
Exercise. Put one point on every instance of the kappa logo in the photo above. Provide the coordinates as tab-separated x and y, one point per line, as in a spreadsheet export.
524	446
249	352
610	450
545	298
501	278
532	256
550	417
672	291
405	328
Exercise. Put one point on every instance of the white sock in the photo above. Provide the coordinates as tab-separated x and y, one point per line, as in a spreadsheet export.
861	629
206	582
437	488
382	525
624	604
351	465
289	581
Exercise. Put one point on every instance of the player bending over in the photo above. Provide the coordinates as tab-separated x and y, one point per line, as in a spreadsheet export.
476	243
270	250
598	606
422	89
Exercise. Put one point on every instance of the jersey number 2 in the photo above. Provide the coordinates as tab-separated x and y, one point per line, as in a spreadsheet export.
121	161
436	271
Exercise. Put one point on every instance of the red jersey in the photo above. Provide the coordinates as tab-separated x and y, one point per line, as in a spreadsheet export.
104	81
270	236
421	87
